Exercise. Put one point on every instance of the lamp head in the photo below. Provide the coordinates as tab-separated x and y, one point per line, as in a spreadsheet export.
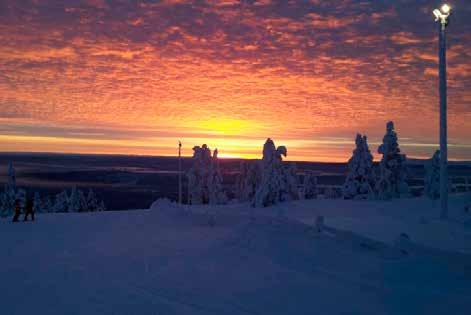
442	14
446	9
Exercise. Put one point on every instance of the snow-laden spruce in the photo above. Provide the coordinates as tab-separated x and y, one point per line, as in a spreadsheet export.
277	182
37	203
61	202
47	205
76	201
92	202
248	180
290	183
360	181
393	172
204	178
310	190
11	193
216	190
432	176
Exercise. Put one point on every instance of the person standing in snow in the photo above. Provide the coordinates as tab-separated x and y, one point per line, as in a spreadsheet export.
17	210
29	209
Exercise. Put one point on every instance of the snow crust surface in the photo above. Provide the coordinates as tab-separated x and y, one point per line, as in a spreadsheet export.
236	259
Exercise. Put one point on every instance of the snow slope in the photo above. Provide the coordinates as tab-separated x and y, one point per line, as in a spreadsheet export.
236	260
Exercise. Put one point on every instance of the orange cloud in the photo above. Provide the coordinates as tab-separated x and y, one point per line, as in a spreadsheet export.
136	77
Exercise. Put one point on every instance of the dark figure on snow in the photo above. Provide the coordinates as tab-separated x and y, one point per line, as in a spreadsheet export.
29	210
17	210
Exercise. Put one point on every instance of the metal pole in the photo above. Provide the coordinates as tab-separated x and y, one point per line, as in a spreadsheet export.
179	172
443	123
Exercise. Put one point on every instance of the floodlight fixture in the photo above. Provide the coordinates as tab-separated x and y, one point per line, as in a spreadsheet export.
445	9
442	14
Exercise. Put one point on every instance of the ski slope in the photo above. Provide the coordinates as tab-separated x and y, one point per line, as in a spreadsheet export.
238	260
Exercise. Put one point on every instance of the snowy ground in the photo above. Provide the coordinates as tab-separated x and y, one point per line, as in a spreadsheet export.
170	260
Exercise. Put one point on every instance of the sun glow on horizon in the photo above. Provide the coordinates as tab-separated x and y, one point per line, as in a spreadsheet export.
228	126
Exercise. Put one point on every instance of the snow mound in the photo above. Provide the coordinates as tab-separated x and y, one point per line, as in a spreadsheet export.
164	204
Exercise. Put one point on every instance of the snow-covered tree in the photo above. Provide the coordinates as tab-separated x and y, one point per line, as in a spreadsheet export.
290	183
92	201
198	175
7	201
74	200
37	203
310	186
84	207
101	206
61	203
432	176
78	202
216	191
392	181
360	181
21	197
47	205
270	189
204	178
248	180
9	195
274	185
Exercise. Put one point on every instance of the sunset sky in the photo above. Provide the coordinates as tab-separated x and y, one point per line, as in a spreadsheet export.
136	76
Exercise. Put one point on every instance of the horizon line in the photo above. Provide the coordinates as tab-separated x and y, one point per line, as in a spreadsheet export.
189	157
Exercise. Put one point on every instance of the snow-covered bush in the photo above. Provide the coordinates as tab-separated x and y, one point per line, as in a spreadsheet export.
101	206
310	186
276	182
392	180
204	178
164	204
360	181
432	176
332	193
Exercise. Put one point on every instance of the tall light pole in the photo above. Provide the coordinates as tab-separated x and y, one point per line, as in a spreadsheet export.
442	17
179	172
